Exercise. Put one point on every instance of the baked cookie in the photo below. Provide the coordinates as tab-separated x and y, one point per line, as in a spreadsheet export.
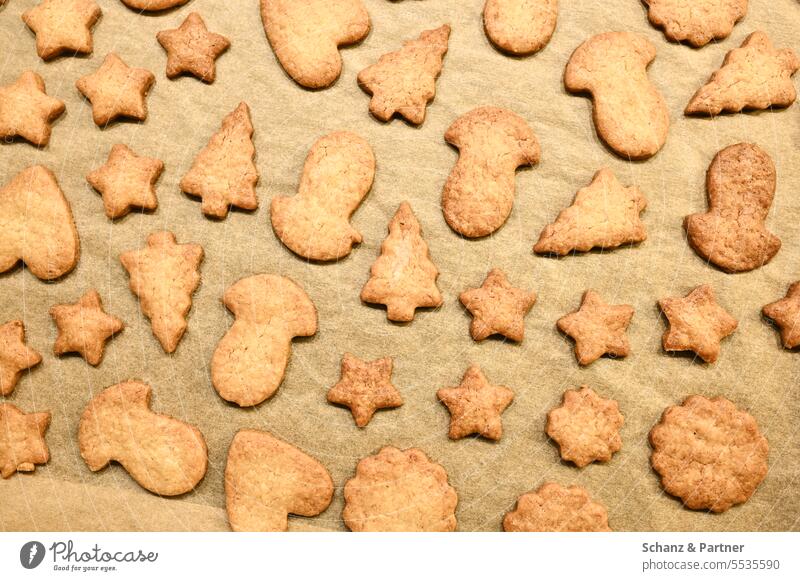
22	444
84	327
337	176
554	508
153	5
192	49
520	27
404	82
604	214
250	361
306	35
15	356
479	193
753	76
741	186
709	453
62	26
497	308
585	427
116	91
696	323
27	111
267	479
630	114
786	314
399	491
597	328
365	387
475	406
697	22
403	277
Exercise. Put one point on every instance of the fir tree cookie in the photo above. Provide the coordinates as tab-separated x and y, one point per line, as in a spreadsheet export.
116	91
26	110
126	181
84	327
597	328
520	27
697	22
555	508
62	26
497	308
22	443
15	356
365	387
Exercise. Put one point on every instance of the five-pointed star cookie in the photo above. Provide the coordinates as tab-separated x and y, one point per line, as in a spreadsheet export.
475	405
786	314
365	387
84	327
126	181
22	444
15	356
597	328
696	323
26	111
116	90
62	26
497	307
192	49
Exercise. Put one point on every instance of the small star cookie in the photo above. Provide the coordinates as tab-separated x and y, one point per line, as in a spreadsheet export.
192	49
116	90
786	314
497	308
555	508
22	444
26	110
696	323
365	387
597	328
15	355
62	26
475	405
126	181
84	327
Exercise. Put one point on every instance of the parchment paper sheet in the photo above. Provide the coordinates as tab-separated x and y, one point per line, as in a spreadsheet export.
433	351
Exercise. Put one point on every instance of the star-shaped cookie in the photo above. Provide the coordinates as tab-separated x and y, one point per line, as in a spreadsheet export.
696	323
116	91
126	181
192	49
786	314
365	387
26	111
22	444
62	26
84	327
597	328
497	307
475	405
15	355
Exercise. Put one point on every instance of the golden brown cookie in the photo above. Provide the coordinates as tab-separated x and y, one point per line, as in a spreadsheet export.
22	443
404	82
41	232
786	314
337	176
399	491
116	91
84	327
126	181
306	35
476	406
62	26
15	356
365	387
696	323
497	308
585	427
267	479
604	214
27	111
479	192
630	114
192	49
164	276
697	22
741	186
709	453
153	5
250	360
753	76
403	277
597	328
520	27
223	173
554	508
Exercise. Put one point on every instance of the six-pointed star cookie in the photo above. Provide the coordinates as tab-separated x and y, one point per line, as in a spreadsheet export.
126	181
84	327
192	49
26	111
365	387
786	314
597	328
22	444
475	405
116	90
497	307
15	356
62	26
696	323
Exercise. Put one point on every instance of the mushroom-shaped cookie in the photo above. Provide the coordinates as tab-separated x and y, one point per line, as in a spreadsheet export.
249	362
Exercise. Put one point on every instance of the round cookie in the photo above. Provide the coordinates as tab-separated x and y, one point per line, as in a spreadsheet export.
520	27
554	508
